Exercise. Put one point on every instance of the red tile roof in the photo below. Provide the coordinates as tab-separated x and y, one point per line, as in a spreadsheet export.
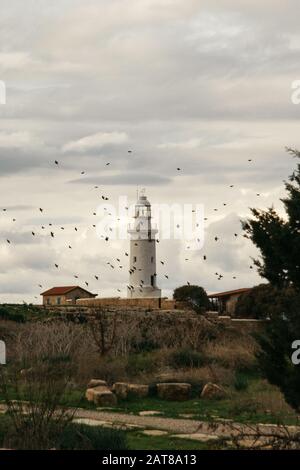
64	290
230	292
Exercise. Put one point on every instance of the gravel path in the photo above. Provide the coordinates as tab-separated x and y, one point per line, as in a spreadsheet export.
166	424
180	426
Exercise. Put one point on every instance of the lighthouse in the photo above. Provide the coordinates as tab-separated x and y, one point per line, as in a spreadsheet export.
142	269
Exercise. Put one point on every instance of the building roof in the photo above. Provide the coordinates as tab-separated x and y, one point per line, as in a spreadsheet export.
230	292
64	290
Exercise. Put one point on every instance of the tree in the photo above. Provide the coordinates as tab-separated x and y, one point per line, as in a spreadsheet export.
195	295
103	326
265	300
278	240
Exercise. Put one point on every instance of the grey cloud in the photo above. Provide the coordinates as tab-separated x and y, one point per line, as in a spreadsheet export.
217	72
125	179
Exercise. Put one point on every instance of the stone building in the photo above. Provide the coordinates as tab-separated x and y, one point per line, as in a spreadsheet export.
225	302
66	295
142	270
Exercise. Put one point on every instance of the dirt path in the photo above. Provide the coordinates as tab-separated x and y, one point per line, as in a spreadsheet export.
166	424
180	426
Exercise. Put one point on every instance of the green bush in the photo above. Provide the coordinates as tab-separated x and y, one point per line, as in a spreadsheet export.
195	295
84	437
74	436
140	364
241	381
186	358
5	425
19	312
246	407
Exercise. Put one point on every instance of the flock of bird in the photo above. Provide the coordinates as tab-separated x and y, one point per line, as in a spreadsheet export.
117	263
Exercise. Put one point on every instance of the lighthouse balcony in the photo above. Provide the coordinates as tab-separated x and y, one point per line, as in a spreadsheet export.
142	232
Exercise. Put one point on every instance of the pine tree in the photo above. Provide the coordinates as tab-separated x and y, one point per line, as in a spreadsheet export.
278	240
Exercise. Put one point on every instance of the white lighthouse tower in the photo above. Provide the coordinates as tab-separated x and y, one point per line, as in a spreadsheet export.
142	269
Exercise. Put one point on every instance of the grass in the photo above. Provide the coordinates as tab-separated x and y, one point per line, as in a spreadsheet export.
75	436
258	403
250	400
138	441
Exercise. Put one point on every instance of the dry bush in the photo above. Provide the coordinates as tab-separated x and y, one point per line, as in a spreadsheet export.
271	401
200	376
119	346
112	369
233	352
35	340
263	437
35	381
124	333
173	331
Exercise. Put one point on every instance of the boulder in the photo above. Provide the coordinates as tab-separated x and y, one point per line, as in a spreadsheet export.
137	390
174	391
97	383
89	394
211	390
121	390
101	396
105	398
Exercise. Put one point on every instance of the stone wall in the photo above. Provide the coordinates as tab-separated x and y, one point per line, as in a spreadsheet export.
144	304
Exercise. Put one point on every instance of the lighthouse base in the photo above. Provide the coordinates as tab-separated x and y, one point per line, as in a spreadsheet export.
147	292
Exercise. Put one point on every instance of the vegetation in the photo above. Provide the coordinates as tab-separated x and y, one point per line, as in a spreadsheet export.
259	402
264	301
186	358
50	363
138	441
75	436
278	240
84	437
19	313
195	295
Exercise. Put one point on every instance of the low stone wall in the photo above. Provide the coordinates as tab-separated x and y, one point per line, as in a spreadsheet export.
144	304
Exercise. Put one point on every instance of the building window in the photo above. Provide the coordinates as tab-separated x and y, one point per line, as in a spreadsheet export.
48	301
152	259
152	281
58	300
134	259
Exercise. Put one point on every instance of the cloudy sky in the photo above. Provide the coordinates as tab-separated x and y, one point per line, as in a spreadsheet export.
202	86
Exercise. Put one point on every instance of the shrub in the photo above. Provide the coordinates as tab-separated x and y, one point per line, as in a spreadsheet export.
19	313
84	437
140	364
244	407
195	295
265	300
39	374
235	352
241	381
186	358
74	436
